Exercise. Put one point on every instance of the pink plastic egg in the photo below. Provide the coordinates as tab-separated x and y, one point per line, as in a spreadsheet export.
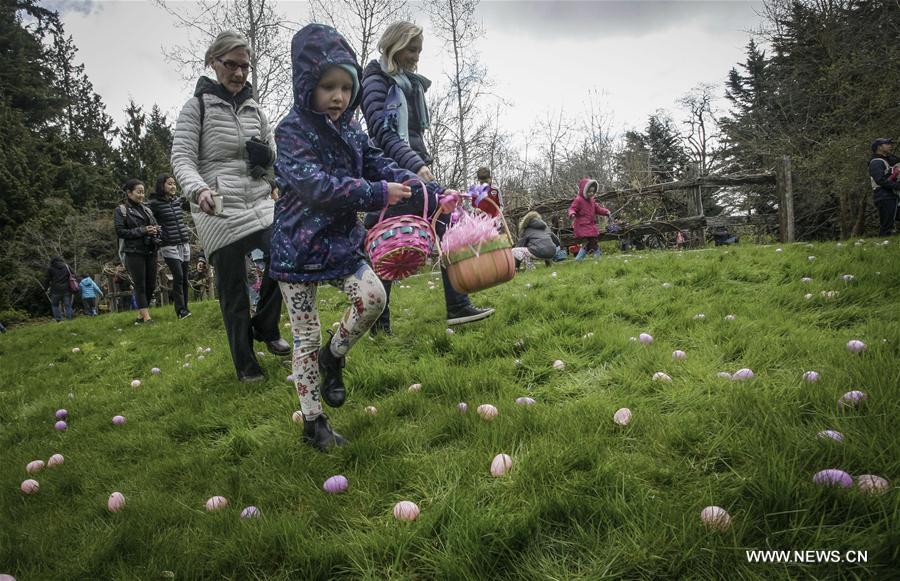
297	417
136	383
830	435
526	401
371	410
660	376
406	510
811	376
871	484
716	518
62	414
116	502
856	346
645	338
833	477
118	420
487	412
55	460
5	577
61	426
743	375
30	486
251	512
463	407
416	387
500	465
35	466
622	416
336	484
678	354
216	503
852	399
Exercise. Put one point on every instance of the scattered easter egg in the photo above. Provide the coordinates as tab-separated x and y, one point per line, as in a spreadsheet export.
35	466
588	335
450	331
406	510
871	484
55	460
201	357
678	354
856	346
811	376
30	486
208	350
808	296
371	410
645	338
136	383
290	378
666	285
500	465
716	518
723	375
730	317
76	350
517	362
5	577
487	411
852	399
519	345
848	277
810	258
660	376
61	426
831	294
743	374
336	484
216	503
699	316
779	250
155	371
633	339
116	502
527	285
830	435
416	387
186	365
553	274
462	407
833	477
806	279
118	420
62	414
559	365
251	512
262	354
526	401
622	416
297	417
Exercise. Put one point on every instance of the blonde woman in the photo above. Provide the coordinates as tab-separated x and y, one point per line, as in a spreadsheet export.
221	153
396	119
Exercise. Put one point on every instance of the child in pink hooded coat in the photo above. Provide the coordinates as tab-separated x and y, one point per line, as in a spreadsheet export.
583	212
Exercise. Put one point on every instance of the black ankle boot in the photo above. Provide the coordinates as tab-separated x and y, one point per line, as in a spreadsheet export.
331	369
318	434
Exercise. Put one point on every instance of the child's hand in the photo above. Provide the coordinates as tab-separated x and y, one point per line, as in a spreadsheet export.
449	201
397	192
425	173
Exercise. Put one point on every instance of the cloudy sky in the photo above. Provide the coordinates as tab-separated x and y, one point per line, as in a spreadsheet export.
543	56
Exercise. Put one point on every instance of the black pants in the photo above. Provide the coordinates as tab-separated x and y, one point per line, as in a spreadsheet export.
142	268
887	214
179	272
231	283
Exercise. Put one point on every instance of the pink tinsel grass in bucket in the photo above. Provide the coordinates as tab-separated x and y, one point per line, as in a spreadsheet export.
470	232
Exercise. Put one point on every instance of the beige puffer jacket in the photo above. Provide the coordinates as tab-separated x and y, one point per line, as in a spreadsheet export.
221	165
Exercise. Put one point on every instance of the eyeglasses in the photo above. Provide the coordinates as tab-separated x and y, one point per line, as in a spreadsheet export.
233	66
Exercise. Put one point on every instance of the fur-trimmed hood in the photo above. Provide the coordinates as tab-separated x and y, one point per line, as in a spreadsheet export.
584	184
532	215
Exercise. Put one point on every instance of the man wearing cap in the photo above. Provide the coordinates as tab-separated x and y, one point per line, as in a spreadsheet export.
884	175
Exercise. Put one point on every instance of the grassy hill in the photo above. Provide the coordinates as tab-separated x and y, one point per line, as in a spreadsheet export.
585	498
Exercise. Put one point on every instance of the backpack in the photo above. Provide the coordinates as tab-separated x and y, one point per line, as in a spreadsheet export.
73	282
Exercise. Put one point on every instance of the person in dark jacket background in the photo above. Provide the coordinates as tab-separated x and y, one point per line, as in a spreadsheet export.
536	237
137	229
56	281
176	247
396	118
884	175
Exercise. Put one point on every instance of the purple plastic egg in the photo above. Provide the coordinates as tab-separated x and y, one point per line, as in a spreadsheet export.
622	416
406	510
852	399
716	518
500	465
678	354
118	420
251	512
216	503
336	484
830	435
645	338
811	376
62	414
856	346
155	371
833	477
743	374
463	407
526	401
61	426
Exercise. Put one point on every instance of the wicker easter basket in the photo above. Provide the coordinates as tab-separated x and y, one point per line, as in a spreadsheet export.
491	263
398	247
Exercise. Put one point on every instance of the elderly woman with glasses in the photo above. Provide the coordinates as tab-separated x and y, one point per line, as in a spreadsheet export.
221	154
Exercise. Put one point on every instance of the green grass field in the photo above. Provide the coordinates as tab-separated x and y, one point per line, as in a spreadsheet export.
585	498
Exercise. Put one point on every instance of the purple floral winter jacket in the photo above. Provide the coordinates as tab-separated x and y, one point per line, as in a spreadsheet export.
327	172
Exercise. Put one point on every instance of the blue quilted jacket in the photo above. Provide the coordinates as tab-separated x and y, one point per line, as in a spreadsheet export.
327	172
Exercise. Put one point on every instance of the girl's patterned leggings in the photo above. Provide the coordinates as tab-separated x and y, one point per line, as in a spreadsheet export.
366	294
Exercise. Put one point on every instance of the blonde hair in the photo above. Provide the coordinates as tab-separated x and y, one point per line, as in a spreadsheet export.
225	42
395	38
